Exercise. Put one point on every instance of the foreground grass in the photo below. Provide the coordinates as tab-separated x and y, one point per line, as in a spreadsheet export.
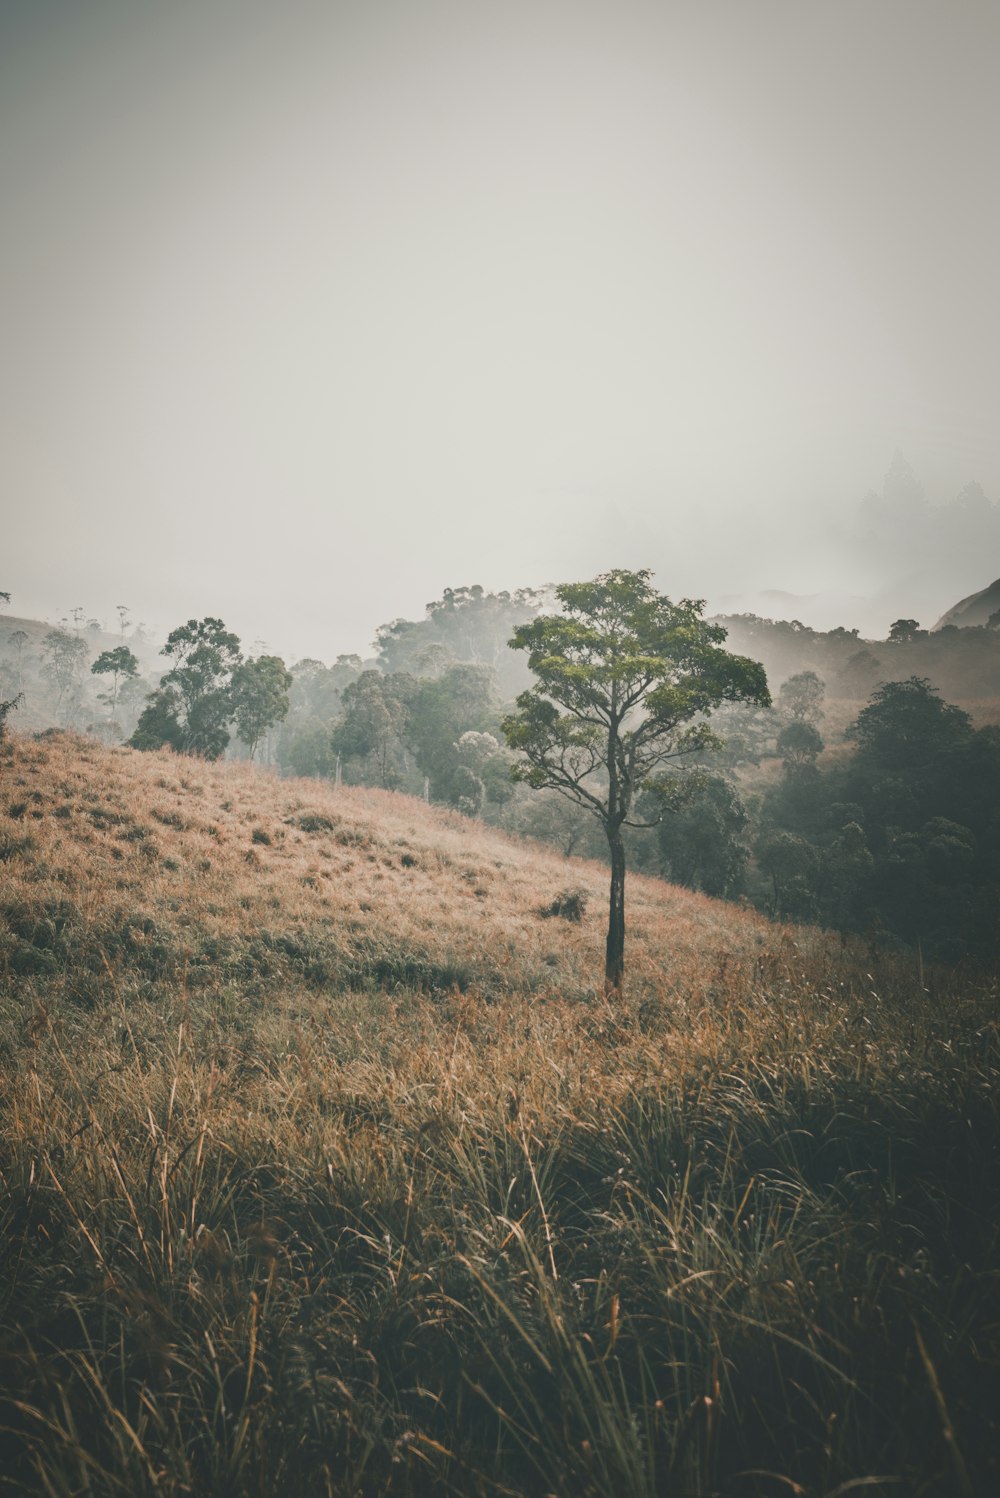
285	1221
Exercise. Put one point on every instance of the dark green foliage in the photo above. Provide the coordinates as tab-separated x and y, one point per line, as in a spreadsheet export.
430	732
115	663
903	838
259	691
192	709
123	668
7	707
799	743
790	862
906	727
159	724
703	837
622	675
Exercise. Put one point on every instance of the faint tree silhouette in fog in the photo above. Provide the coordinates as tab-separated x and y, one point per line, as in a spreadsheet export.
120	664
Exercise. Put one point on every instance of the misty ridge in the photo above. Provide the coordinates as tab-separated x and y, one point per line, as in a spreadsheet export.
895	551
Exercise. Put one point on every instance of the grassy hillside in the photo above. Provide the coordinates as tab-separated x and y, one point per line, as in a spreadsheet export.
327	1169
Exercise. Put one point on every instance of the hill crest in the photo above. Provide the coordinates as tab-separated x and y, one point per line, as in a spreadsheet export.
976	609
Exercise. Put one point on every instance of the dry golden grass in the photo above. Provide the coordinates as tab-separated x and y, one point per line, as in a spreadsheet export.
326	1168
350	883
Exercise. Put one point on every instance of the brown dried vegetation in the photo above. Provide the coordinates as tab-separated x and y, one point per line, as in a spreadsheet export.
327	1169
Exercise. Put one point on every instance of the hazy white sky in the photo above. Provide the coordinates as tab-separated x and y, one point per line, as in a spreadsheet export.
312	309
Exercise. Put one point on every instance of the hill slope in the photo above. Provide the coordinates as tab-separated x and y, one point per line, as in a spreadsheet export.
978	608
324	1169
169	868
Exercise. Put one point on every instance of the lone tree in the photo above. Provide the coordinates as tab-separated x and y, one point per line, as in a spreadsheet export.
121	665
622	672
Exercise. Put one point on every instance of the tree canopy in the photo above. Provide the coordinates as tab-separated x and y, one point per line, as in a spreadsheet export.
626	680
192	708
260	699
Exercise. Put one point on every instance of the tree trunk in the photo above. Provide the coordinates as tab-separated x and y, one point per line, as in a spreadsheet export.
614	966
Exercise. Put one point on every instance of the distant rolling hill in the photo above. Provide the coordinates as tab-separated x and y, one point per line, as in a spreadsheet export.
976	609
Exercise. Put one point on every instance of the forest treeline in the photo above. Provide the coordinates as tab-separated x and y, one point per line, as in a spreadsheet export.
862	799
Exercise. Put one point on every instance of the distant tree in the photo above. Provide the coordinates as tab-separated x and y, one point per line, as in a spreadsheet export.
8	706
4	599
465	625
790	861
859	671
193	707
801	697
906	725
902	631
124	613
747	733
555	819
259	697
490	764
315	703
316	689
799	743
441	710
18	638
64	657
373	724
309	751
120	664
159	725
972	503
474	754
702	837
631	672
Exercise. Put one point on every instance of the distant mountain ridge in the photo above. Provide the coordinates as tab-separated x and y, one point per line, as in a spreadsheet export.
977	609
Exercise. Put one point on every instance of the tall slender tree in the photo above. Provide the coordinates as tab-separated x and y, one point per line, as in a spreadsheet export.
625	683
121	665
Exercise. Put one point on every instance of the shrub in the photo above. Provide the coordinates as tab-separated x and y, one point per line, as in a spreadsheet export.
569	905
